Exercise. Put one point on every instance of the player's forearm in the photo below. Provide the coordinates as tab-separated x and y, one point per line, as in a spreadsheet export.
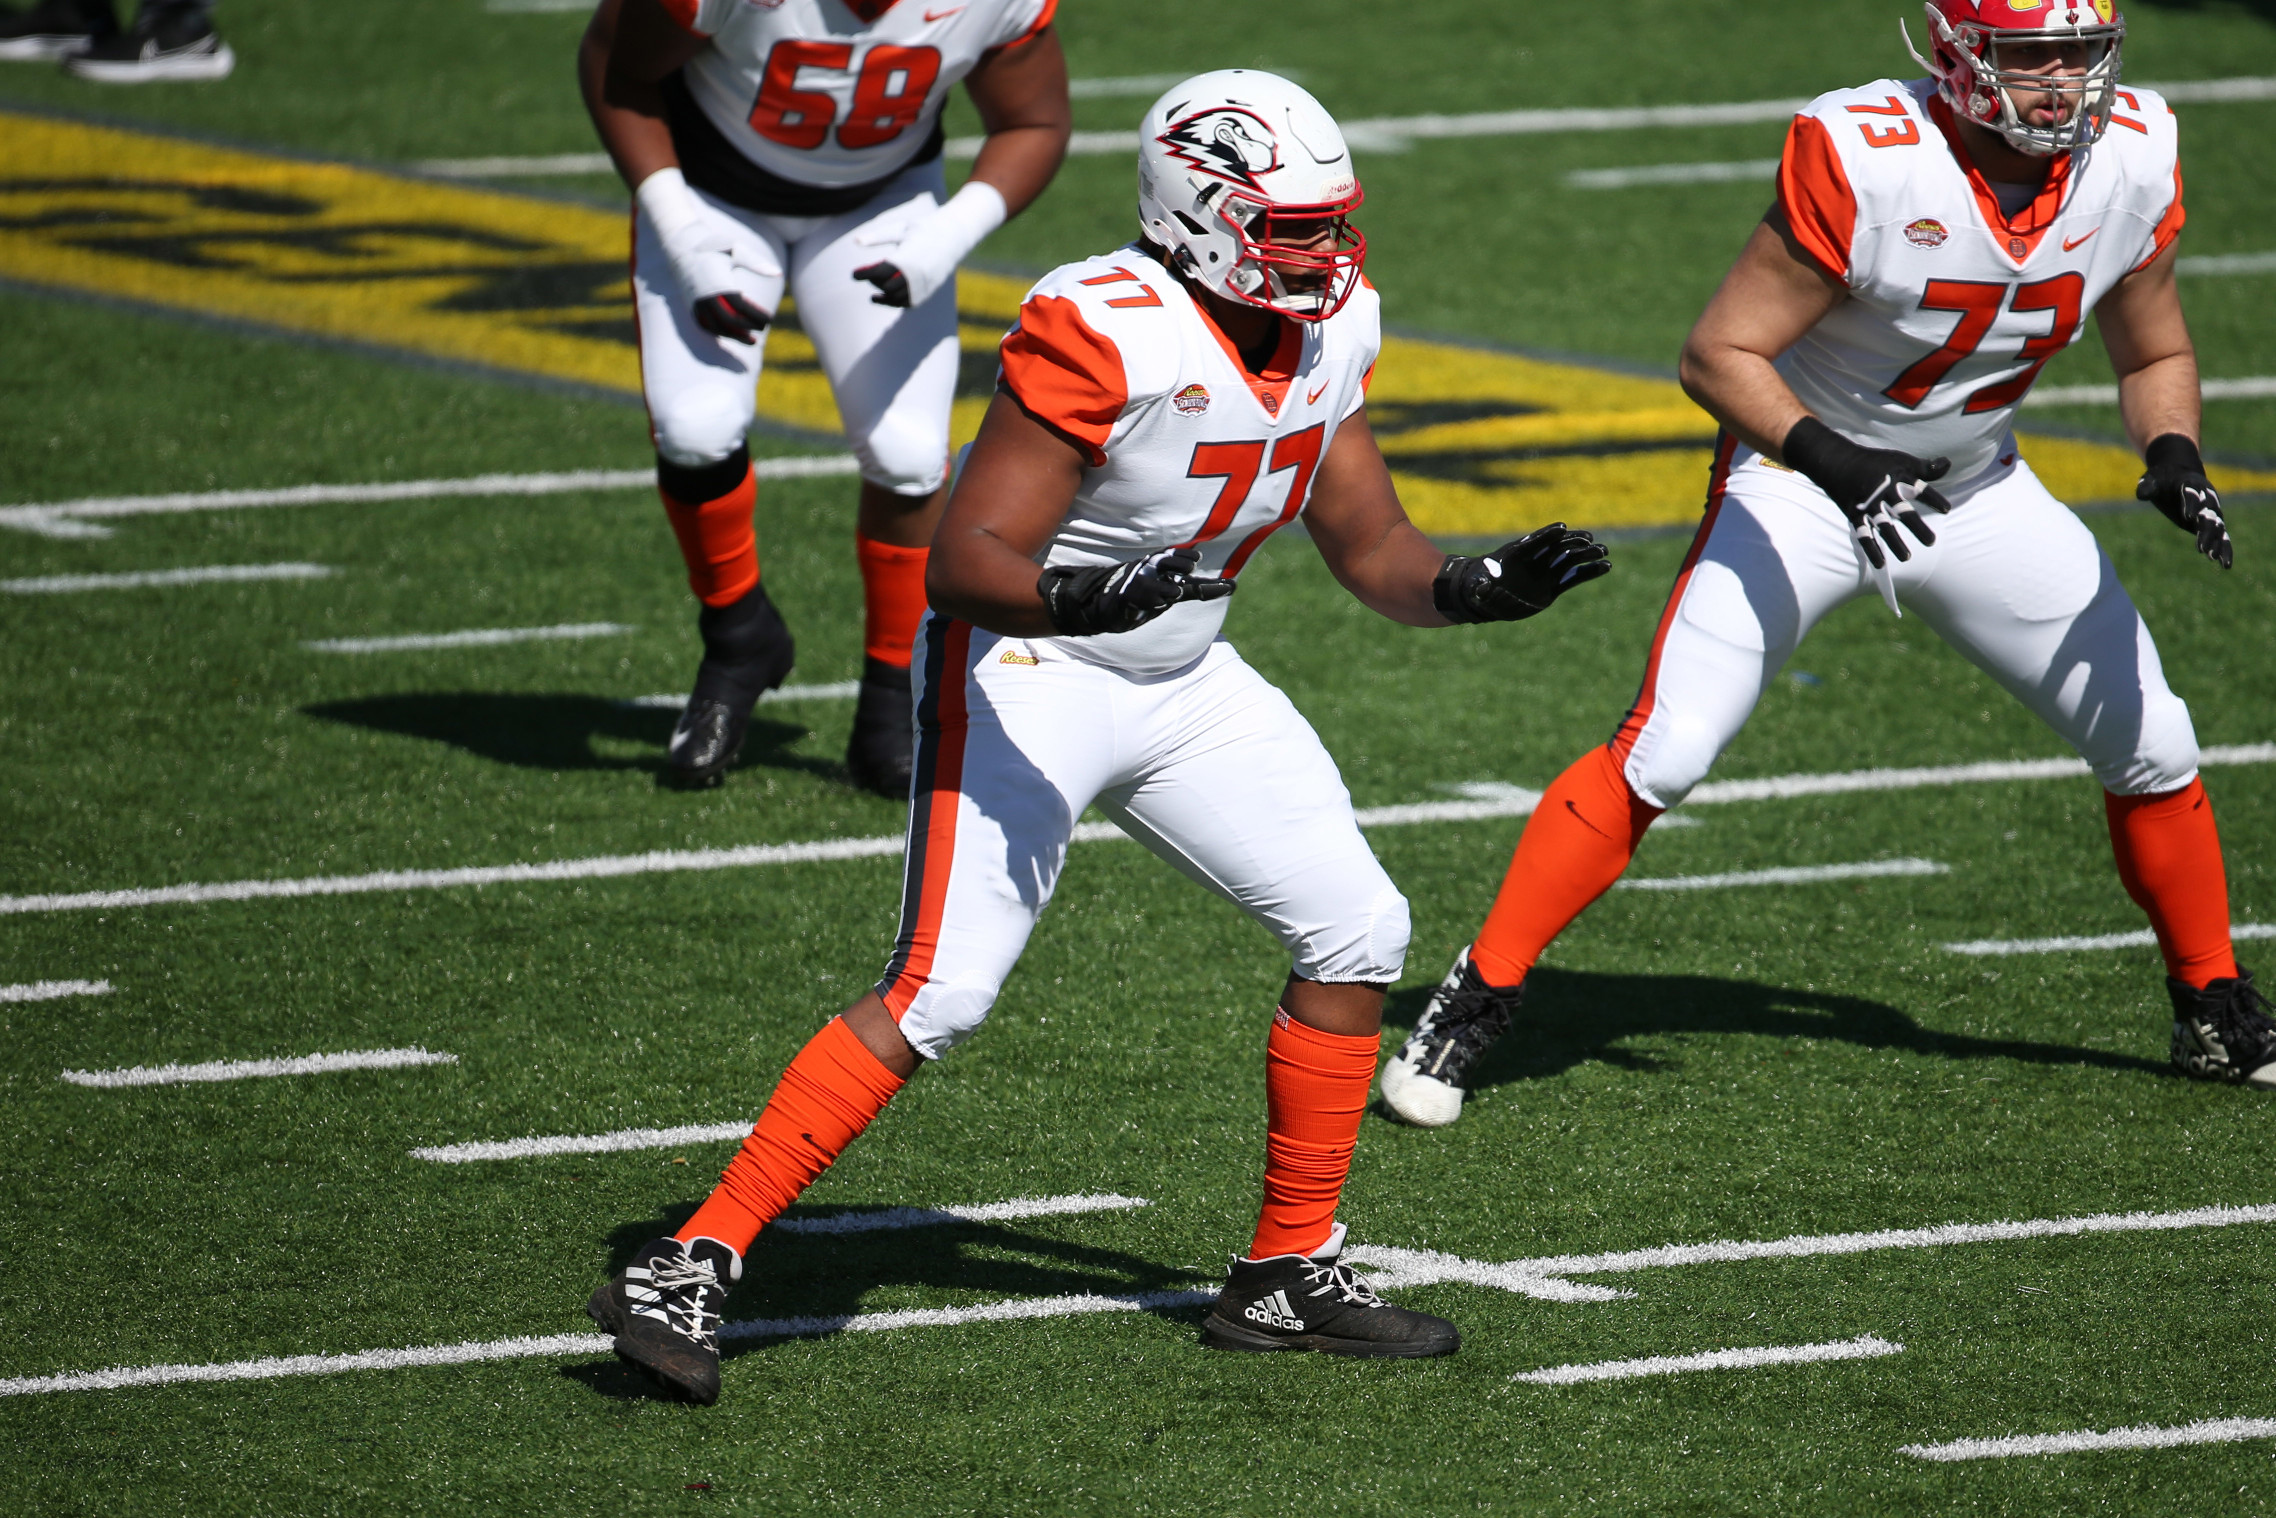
2160	398
1018	161
977	577
1393	578
1742	391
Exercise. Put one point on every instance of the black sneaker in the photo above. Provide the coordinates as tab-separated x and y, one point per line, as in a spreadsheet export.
664	1310
884	731
54	29
170	42
1423	1083
2223	1033
747	651
1290	1302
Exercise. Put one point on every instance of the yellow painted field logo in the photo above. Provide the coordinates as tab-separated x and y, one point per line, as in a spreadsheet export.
1479	442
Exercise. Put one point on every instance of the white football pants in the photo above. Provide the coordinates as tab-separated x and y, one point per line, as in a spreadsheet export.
2015	582
1210	767
893	371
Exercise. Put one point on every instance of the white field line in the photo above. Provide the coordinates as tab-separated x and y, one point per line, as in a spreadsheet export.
536	7
584	1143
2140	939
1544	1278
1517	803
508	166
893	1218
250	1069
1016	1310
1863	1347
2140	1436
1416	1267
1808	874
51	990
1392	134
217	574
2260	387
1745	171
2227	263
75	518
836	690
478	637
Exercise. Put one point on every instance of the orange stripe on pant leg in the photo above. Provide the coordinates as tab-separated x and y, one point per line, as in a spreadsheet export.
1718	480
942	726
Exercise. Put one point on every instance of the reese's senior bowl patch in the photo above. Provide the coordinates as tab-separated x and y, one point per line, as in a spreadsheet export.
1927	232
1481	443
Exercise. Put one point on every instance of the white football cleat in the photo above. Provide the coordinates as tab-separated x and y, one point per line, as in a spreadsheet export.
1424	1082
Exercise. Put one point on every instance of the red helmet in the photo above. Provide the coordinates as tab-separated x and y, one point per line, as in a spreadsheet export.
1965	38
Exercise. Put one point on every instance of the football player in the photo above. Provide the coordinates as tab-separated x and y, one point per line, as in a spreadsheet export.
1933	244
796	146
1161	410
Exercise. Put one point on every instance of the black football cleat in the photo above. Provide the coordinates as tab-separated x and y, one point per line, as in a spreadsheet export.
879	755
664	1310
1424	1082
1291	1302
2223	1033
747	651
54	29
165	42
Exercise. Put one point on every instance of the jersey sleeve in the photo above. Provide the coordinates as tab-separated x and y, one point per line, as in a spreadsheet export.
1065	373
1814	194
1022	19
699	18
2168	226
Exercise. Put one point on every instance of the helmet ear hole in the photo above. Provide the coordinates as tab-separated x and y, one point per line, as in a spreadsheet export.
1195	227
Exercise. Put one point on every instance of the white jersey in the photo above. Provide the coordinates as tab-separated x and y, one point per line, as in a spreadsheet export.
1186	447
1954	307
837	93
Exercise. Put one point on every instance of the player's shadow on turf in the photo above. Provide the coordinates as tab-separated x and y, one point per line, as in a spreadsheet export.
555	732
828	1276
1571	1017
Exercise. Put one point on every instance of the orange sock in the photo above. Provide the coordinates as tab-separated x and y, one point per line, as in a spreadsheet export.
893	598
827	1096
1574	846
710	506
2169	856
1315	1087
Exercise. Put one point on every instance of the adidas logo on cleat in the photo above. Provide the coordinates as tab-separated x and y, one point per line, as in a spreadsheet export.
1274	1311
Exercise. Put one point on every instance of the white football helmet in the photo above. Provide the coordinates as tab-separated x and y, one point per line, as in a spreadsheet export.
1964	42
1246	180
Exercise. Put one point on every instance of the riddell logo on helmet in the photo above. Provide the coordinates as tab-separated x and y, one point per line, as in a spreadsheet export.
1192	400
1927	232
1226	143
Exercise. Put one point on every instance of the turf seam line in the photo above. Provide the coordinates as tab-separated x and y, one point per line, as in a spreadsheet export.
1863	1347
52	990
213	574
586	1143
251	1069
477	637
2137	1436
1543	1277
1808	874
662	861
2140	939
895	1218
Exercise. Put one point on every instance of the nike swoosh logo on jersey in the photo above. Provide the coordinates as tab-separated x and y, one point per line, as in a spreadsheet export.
2068	244
932	16
1314	397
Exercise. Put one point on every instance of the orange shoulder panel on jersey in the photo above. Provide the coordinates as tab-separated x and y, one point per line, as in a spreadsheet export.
2168	225
1813	191
684	12
1035	28
1066	374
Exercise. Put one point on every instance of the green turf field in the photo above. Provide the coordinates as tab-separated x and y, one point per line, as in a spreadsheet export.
1741	1064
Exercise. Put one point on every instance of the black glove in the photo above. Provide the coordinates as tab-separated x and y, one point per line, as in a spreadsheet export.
2175	483
1518	579
730	315
1876	488
892	284
1114	598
